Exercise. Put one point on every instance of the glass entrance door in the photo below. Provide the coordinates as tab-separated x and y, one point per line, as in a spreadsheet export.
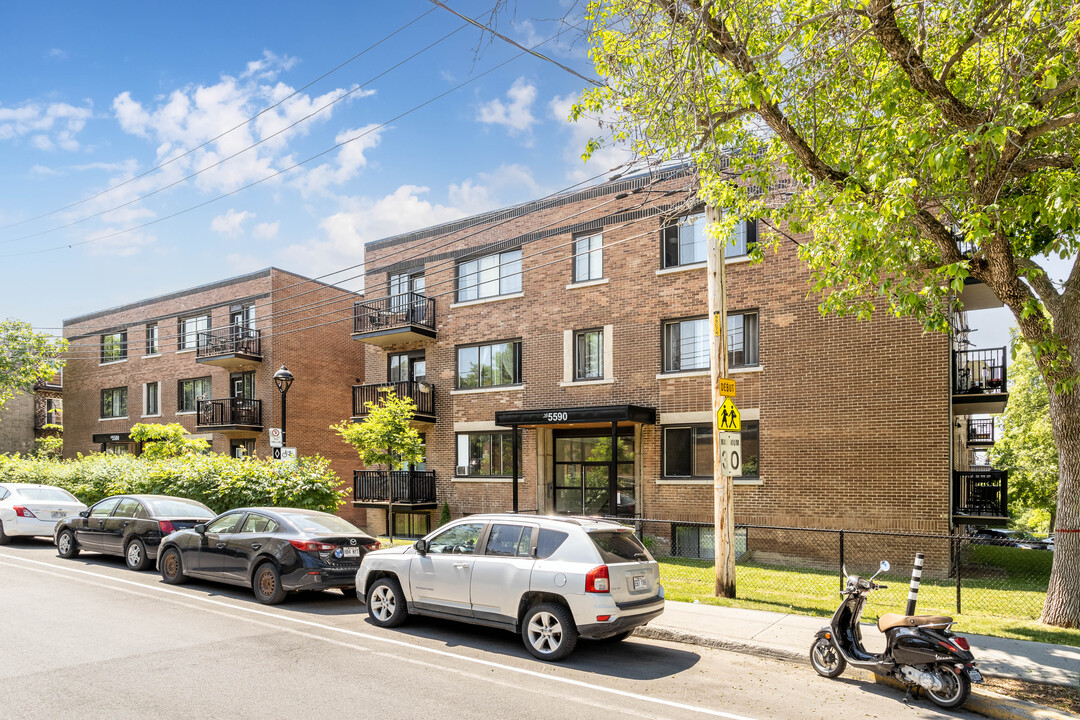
583	484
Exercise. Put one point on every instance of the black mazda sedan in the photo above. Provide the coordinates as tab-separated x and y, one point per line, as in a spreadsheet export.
130	526
271	550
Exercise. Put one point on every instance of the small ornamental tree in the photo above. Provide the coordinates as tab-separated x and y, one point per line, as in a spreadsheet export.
164	441
27	357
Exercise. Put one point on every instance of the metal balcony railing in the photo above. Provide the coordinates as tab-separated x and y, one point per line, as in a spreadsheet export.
981	493
397	311
979	371
421	393
229	411
980	430
407	486
232	340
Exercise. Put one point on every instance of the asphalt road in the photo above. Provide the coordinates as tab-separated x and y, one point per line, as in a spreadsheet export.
88	638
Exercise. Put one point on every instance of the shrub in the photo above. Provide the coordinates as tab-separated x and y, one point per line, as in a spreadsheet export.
162	441
444	516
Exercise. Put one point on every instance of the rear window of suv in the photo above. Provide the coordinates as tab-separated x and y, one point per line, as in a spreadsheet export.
617	547
548	541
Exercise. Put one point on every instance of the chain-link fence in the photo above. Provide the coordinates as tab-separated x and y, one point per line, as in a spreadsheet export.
801	569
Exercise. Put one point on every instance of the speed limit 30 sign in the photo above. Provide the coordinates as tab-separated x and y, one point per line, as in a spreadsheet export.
730	453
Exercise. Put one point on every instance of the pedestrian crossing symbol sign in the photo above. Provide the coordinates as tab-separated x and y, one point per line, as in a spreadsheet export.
727	417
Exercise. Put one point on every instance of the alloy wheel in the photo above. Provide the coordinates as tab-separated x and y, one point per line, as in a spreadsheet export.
383	603
63	544
134	554
545	632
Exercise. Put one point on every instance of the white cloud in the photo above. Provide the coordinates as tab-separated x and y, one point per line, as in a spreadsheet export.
50	126
124	245
58	54
265	231
348	162
231	224
515	115
269	66
606	158
42	170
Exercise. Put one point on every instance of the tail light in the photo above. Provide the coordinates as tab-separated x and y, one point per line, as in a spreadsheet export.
311	546
961	642
596	581
166	527
24	512
373	546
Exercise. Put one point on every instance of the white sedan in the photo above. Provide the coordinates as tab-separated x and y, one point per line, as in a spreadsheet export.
33	510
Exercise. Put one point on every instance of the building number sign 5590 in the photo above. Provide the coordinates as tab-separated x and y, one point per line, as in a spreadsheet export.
556	416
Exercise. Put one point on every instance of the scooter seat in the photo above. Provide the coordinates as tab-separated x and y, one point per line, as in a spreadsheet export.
892	620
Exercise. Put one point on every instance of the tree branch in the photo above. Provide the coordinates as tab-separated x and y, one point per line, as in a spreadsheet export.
983	25
1022	168
1062	88
1042	285
1052	124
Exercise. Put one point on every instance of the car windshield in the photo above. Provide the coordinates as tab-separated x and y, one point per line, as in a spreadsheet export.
177	507
616	547
46	494
320	523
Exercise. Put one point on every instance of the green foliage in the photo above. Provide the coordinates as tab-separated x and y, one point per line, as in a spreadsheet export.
218	481
444	516
385	436
165	441
50	446
27	357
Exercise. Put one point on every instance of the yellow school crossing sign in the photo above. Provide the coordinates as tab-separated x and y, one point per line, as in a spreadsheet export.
727	417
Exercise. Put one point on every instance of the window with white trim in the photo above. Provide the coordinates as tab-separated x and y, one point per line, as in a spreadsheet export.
489	276
490	365
688	451
486	454
589	354
153	399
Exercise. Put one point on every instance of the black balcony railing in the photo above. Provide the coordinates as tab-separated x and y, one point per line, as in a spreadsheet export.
980	430
229	412
232	340
407	486
981	493
397	311
979	371
421	393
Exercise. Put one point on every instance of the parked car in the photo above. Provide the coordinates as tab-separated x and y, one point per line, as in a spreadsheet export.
271	550
1010	538
29	510
1049	542
550	579
130	526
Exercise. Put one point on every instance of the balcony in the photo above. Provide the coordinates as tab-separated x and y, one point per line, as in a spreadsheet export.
393	320
980	431
235	417
411	488
229	347
980	497
423	394
979	382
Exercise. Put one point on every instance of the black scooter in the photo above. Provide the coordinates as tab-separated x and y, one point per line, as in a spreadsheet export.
920	650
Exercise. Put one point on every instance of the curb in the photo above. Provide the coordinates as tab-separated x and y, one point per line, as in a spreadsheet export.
983	702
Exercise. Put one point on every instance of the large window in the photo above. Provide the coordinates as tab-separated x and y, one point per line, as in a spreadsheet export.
114	346
153	399
412	525
489	276
589	355
491	365
486	455
588	258
114	403
685	240
152	346
742	340
405	283
688	451
686	345
189	392
189	331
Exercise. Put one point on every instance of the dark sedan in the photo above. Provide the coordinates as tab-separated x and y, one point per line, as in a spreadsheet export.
131	526
271	550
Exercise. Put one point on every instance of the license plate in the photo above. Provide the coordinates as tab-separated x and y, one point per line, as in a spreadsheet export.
59	514
351	551
640	582
975	676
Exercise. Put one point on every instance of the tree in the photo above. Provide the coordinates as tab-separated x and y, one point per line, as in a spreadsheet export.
921	144
385	437
1026	446
165	441
27	357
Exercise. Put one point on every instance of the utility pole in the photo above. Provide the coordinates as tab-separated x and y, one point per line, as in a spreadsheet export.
723	485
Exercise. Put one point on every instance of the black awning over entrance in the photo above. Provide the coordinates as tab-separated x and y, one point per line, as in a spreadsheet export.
112	437
598	416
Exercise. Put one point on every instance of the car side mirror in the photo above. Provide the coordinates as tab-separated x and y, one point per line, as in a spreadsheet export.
201	528
421	546
84	513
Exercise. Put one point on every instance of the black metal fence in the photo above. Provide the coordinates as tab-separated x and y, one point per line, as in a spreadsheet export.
421	393
230	411
407	485
981	493
393	312
979	371
232	340
980	431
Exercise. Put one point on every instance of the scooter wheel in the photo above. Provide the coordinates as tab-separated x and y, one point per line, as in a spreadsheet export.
956	690
826	659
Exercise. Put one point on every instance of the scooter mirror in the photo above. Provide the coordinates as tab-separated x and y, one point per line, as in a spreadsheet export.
884	566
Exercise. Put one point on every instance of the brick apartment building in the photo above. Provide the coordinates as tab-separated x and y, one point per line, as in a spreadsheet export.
26	416
581	317
205	358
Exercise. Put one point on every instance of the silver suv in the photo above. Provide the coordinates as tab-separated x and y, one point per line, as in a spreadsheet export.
551	579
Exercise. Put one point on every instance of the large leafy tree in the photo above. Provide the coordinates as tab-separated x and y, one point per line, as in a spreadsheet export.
26	357
921	143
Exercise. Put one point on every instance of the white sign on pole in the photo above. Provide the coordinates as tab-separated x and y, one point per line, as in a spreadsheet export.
730	453
288	453
277	439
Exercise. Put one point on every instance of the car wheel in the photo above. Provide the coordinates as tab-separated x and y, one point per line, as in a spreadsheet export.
135	555
548	632
386	603
4	537
267	584
172	569
66	546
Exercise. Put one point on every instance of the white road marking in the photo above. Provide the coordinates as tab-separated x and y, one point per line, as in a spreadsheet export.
63	571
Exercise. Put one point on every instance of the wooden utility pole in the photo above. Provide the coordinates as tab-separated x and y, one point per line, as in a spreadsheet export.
723	486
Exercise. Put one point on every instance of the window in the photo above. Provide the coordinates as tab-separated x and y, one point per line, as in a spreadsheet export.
686	345
103	508
509	541
489	276
699	541
407	283
685	240
127	508
190	329
152	347
489	365
53	409
225	523
548	541
460	539
589	355
486	455
114	403
742	340
412	525
688	451
259	524
114	346
588	258
153	397
189	392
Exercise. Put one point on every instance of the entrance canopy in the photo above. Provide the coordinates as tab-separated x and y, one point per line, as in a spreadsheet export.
599	416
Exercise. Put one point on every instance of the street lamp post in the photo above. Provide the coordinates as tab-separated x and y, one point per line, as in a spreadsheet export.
283	379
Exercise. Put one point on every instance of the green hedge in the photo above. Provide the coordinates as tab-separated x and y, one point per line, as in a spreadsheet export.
219	481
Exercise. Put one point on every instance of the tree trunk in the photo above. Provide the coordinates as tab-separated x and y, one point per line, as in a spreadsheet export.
1062	606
